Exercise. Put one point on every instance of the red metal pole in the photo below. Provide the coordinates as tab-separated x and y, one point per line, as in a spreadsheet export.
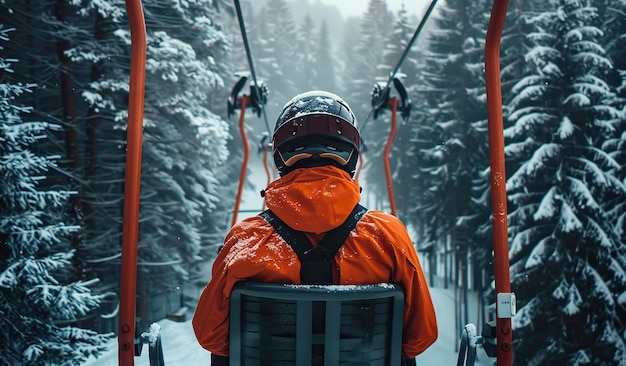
504	331
393	103
128	280
242	176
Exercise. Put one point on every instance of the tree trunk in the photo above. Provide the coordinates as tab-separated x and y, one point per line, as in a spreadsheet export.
71	141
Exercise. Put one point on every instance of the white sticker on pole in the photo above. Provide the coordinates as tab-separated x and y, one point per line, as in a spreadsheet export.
506	305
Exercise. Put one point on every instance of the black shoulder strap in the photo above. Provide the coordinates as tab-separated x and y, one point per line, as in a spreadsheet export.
298	240
316	266
334	239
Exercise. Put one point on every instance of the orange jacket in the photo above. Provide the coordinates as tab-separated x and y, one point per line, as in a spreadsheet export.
316	200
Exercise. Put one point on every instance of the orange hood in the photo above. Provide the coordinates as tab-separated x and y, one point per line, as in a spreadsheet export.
313	200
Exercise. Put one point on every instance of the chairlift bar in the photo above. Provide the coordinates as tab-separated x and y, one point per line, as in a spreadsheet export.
418	30
246	44
393	103
243	101
504	331
128	280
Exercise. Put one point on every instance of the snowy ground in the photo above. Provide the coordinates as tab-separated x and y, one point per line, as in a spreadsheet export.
181	348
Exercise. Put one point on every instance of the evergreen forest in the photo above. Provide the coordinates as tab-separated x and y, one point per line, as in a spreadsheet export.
64	73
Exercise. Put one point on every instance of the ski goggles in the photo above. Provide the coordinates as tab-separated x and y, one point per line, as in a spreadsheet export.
342	156
319	124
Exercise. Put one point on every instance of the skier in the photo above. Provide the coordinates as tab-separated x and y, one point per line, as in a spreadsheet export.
316	146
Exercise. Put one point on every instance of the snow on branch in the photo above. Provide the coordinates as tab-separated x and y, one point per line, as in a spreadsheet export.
528	122
583	32
548	207
569	222
591	59
593	154
595	231
574	301
601	290
526	315
579	193
518	150
530	168
539	254
539	54
579	100
586	46
591	85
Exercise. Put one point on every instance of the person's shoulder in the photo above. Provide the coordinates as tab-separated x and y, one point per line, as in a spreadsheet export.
387	228
248	226
382	217
385	224
245	241
252	222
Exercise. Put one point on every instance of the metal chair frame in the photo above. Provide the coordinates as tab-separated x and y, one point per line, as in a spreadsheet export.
306	298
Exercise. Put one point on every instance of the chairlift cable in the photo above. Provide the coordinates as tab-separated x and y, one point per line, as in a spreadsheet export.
418	30
246	45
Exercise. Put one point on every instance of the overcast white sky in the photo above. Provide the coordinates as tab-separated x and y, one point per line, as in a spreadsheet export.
358	7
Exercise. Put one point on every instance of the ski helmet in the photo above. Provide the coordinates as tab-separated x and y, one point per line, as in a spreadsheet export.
316	128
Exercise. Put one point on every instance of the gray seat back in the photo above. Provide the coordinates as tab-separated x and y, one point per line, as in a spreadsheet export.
310	325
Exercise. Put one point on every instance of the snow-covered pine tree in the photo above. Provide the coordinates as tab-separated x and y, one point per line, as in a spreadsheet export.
325	64
379	129
613	14
37	299
450	148
43	36
362	61
255	20
396	44
281	51
184	141
304	60
513	68
449	151
566	254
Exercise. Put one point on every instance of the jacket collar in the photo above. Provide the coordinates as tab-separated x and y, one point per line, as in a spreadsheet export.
313	200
